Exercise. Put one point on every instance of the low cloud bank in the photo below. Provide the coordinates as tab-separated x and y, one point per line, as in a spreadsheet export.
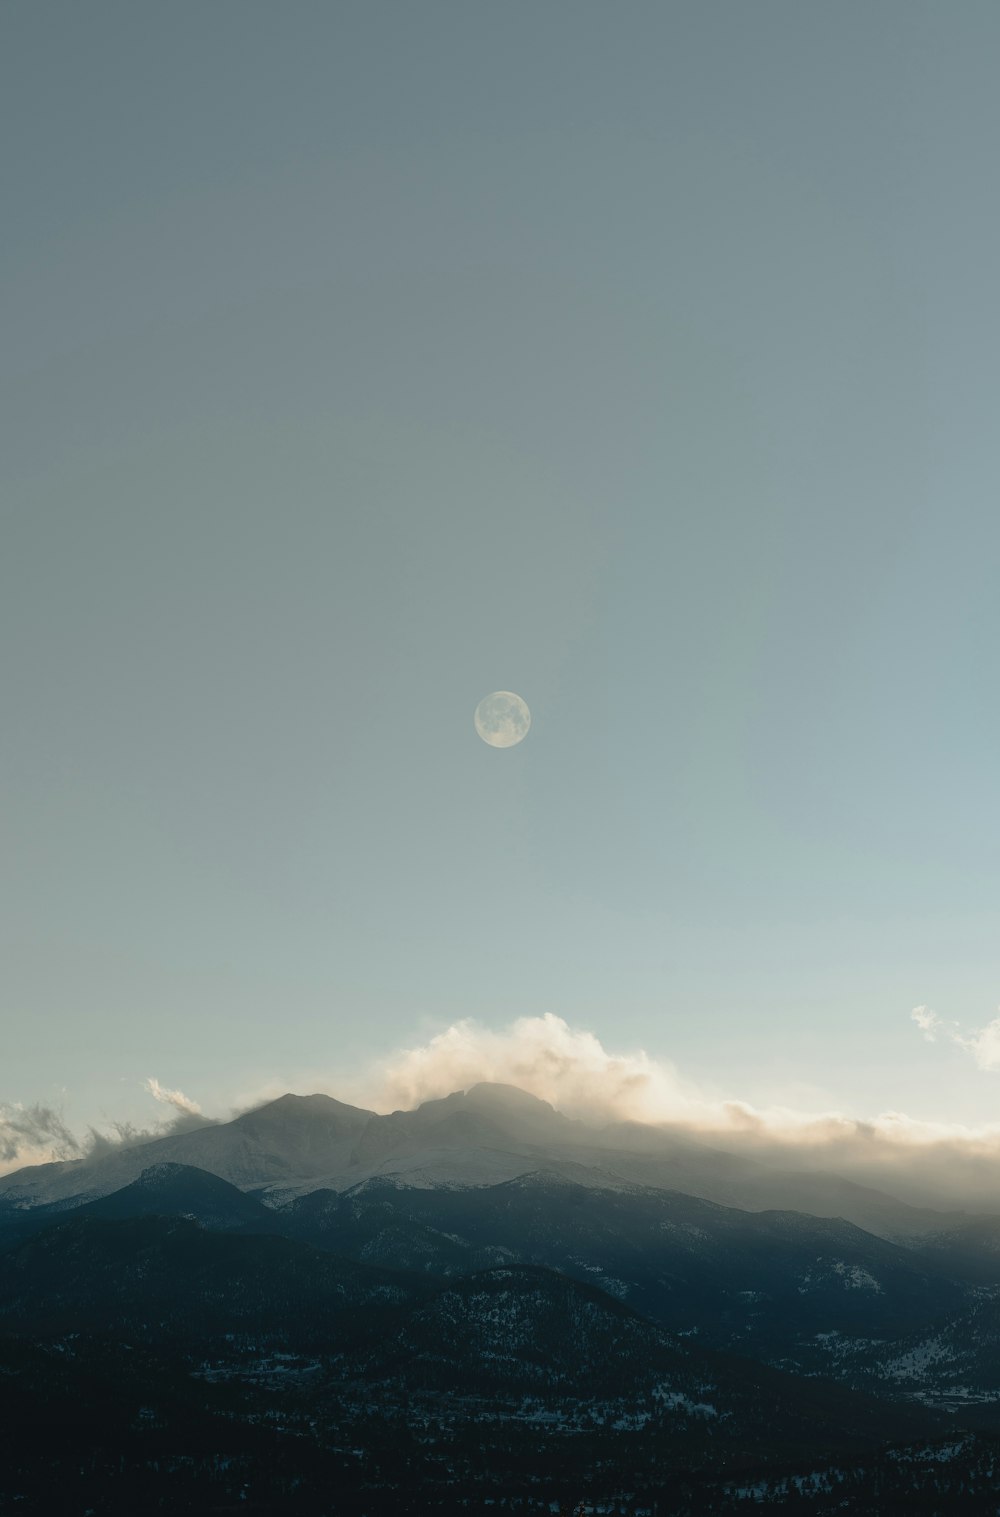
938	1164
544	1055
934	1163
576	1073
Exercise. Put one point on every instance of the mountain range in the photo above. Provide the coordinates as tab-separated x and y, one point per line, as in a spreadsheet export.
481	1302
482	1136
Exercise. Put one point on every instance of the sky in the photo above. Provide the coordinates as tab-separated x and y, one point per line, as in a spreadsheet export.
360	359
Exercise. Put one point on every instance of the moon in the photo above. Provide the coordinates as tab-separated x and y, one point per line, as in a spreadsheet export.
502	719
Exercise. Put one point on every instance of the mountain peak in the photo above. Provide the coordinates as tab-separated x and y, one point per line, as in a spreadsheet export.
316	1105
315	1119
496	1096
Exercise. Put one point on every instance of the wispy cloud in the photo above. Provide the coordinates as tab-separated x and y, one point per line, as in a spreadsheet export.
34	1135
175	1098
982	1043
39	1135
187	1116
928	1021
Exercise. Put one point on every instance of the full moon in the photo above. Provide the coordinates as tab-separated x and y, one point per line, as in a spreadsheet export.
502	719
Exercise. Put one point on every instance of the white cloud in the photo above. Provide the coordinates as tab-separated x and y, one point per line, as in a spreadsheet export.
928	1021
982	1043
952	1163
544	1055
571	1068
175	1098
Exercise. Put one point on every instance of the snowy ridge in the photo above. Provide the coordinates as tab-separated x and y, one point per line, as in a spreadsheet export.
480	1137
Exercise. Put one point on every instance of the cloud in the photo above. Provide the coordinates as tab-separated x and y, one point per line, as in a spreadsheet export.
39	1135
175	1098
187	1117
544	1055
930	1163
573	1070
983	1044
34	1135
928	1021
937	1163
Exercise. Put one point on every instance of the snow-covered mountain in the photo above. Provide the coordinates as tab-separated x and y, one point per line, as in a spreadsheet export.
502	1279
483	1136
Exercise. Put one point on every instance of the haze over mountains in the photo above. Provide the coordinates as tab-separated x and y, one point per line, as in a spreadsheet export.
481	1136
485	1135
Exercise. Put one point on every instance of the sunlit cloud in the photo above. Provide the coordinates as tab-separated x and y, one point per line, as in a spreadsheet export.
573	1070
567	1066
954	1163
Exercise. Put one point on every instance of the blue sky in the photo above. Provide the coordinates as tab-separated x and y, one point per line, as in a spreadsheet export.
361	359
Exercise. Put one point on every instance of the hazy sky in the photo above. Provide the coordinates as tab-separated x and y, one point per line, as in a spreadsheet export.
359	359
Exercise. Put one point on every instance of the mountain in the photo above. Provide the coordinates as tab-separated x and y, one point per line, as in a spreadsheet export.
534	1340
166	1279
773	1284
483	1136
288	1142
177	1190
813	1295
197	1369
